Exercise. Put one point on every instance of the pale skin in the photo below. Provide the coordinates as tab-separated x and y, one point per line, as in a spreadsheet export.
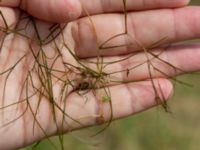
178	24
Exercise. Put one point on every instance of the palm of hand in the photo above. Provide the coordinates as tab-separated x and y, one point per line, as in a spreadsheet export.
42	82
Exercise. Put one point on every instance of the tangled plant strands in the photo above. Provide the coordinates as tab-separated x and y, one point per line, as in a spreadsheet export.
42	73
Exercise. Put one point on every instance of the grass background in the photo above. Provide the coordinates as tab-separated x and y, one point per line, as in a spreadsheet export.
151	130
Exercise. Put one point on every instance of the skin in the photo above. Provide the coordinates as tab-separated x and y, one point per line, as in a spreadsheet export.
178	24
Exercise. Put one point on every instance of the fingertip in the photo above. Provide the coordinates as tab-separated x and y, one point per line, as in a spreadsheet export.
166	89
151	93
174	3
184	2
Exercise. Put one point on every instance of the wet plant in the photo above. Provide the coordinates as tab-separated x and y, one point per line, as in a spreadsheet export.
49	77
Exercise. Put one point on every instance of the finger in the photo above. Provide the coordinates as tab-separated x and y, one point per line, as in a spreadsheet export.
49	10
102	6
144	28
65	10
170	62
126	99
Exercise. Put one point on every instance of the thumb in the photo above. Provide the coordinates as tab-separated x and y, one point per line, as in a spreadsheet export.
49	10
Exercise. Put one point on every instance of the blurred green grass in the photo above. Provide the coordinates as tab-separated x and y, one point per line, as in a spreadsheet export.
153	129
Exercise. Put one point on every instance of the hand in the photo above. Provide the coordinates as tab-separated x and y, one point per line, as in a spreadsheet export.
45	100
65	10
